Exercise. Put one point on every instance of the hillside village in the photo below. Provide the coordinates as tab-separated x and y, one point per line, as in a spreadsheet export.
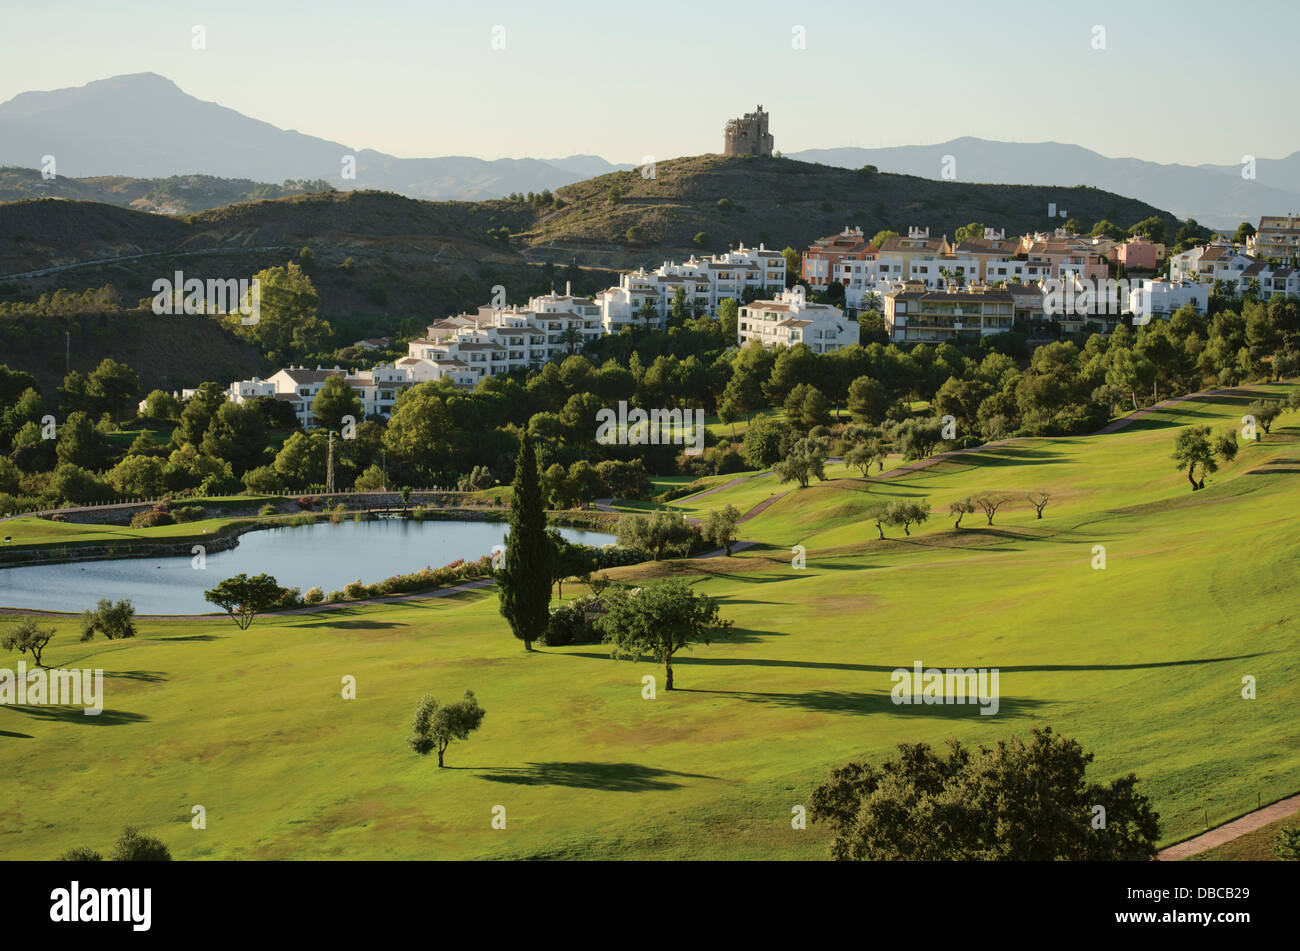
925	290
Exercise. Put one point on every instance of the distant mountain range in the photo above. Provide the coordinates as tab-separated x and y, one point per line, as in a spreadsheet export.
143	126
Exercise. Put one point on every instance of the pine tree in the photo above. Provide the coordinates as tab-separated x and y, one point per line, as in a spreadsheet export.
525	577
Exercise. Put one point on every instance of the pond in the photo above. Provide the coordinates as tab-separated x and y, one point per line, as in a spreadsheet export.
321	555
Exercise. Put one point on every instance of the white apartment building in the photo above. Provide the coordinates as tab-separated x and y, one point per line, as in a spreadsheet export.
1221	261
706	282
298	386
790	319
1269	281
1216	261
469	347
1160	298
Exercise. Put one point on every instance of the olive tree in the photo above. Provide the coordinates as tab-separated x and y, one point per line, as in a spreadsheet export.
27	636
435	725
659	620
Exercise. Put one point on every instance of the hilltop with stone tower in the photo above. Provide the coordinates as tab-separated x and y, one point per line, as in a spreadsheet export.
748	135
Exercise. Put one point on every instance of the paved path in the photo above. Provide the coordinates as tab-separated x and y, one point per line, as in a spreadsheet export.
148	254
1231	830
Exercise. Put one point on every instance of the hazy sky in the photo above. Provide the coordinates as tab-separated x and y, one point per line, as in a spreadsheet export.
624	80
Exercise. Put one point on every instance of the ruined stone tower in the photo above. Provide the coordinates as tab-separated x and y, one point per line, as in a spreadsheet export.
748	135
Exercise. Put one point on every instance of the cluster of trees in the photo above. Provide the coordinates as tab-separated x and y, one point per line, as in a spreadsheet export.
656	620
1199	452
66	303
132	845
1015	801
542	198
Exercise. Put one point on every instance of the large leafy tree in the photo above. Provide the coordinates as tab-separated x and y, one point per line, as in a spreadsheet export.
236	434
426	429
659	620
113	386
335	400
197	414
287	323
1016	801
868	400
301	460
525	578
81	444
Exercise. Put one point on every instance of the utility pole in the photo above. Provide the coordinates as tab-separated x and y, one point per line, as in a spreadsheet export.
67	354
329	465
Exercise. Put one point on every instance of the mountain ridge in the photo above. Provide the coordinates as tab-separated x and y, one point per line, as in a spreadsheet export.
110	127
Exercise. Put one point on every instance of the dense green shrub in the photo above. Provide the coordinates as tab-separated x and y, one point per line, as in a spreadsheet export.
572	623
158	515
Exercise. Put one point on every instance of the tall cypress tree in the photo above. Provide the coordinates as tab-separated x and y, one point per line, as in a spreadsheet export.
525	578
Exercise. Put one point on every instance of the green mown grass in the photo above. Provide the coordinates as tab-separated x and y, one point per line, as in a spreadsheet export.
1256	846
1142	662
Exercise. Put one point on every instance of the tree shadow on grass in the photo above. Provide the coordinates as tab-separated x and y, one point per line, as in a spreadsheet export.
77	715
190	637
611	777
848	701
143	676
1167	418
357	624
1009	456
16	736
688	660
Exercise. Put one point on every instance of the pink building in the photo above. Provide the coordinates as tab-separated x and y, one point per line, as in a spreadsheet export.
1139	254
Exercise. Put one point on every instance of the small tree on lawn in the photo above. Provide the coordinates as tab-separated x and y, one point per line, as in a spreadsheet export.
436	725
658	621
961	508
1192	448
806	459
900	512
878	514
720	527
243	598
990	503
27	636
1040	499
1264	411
114	621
